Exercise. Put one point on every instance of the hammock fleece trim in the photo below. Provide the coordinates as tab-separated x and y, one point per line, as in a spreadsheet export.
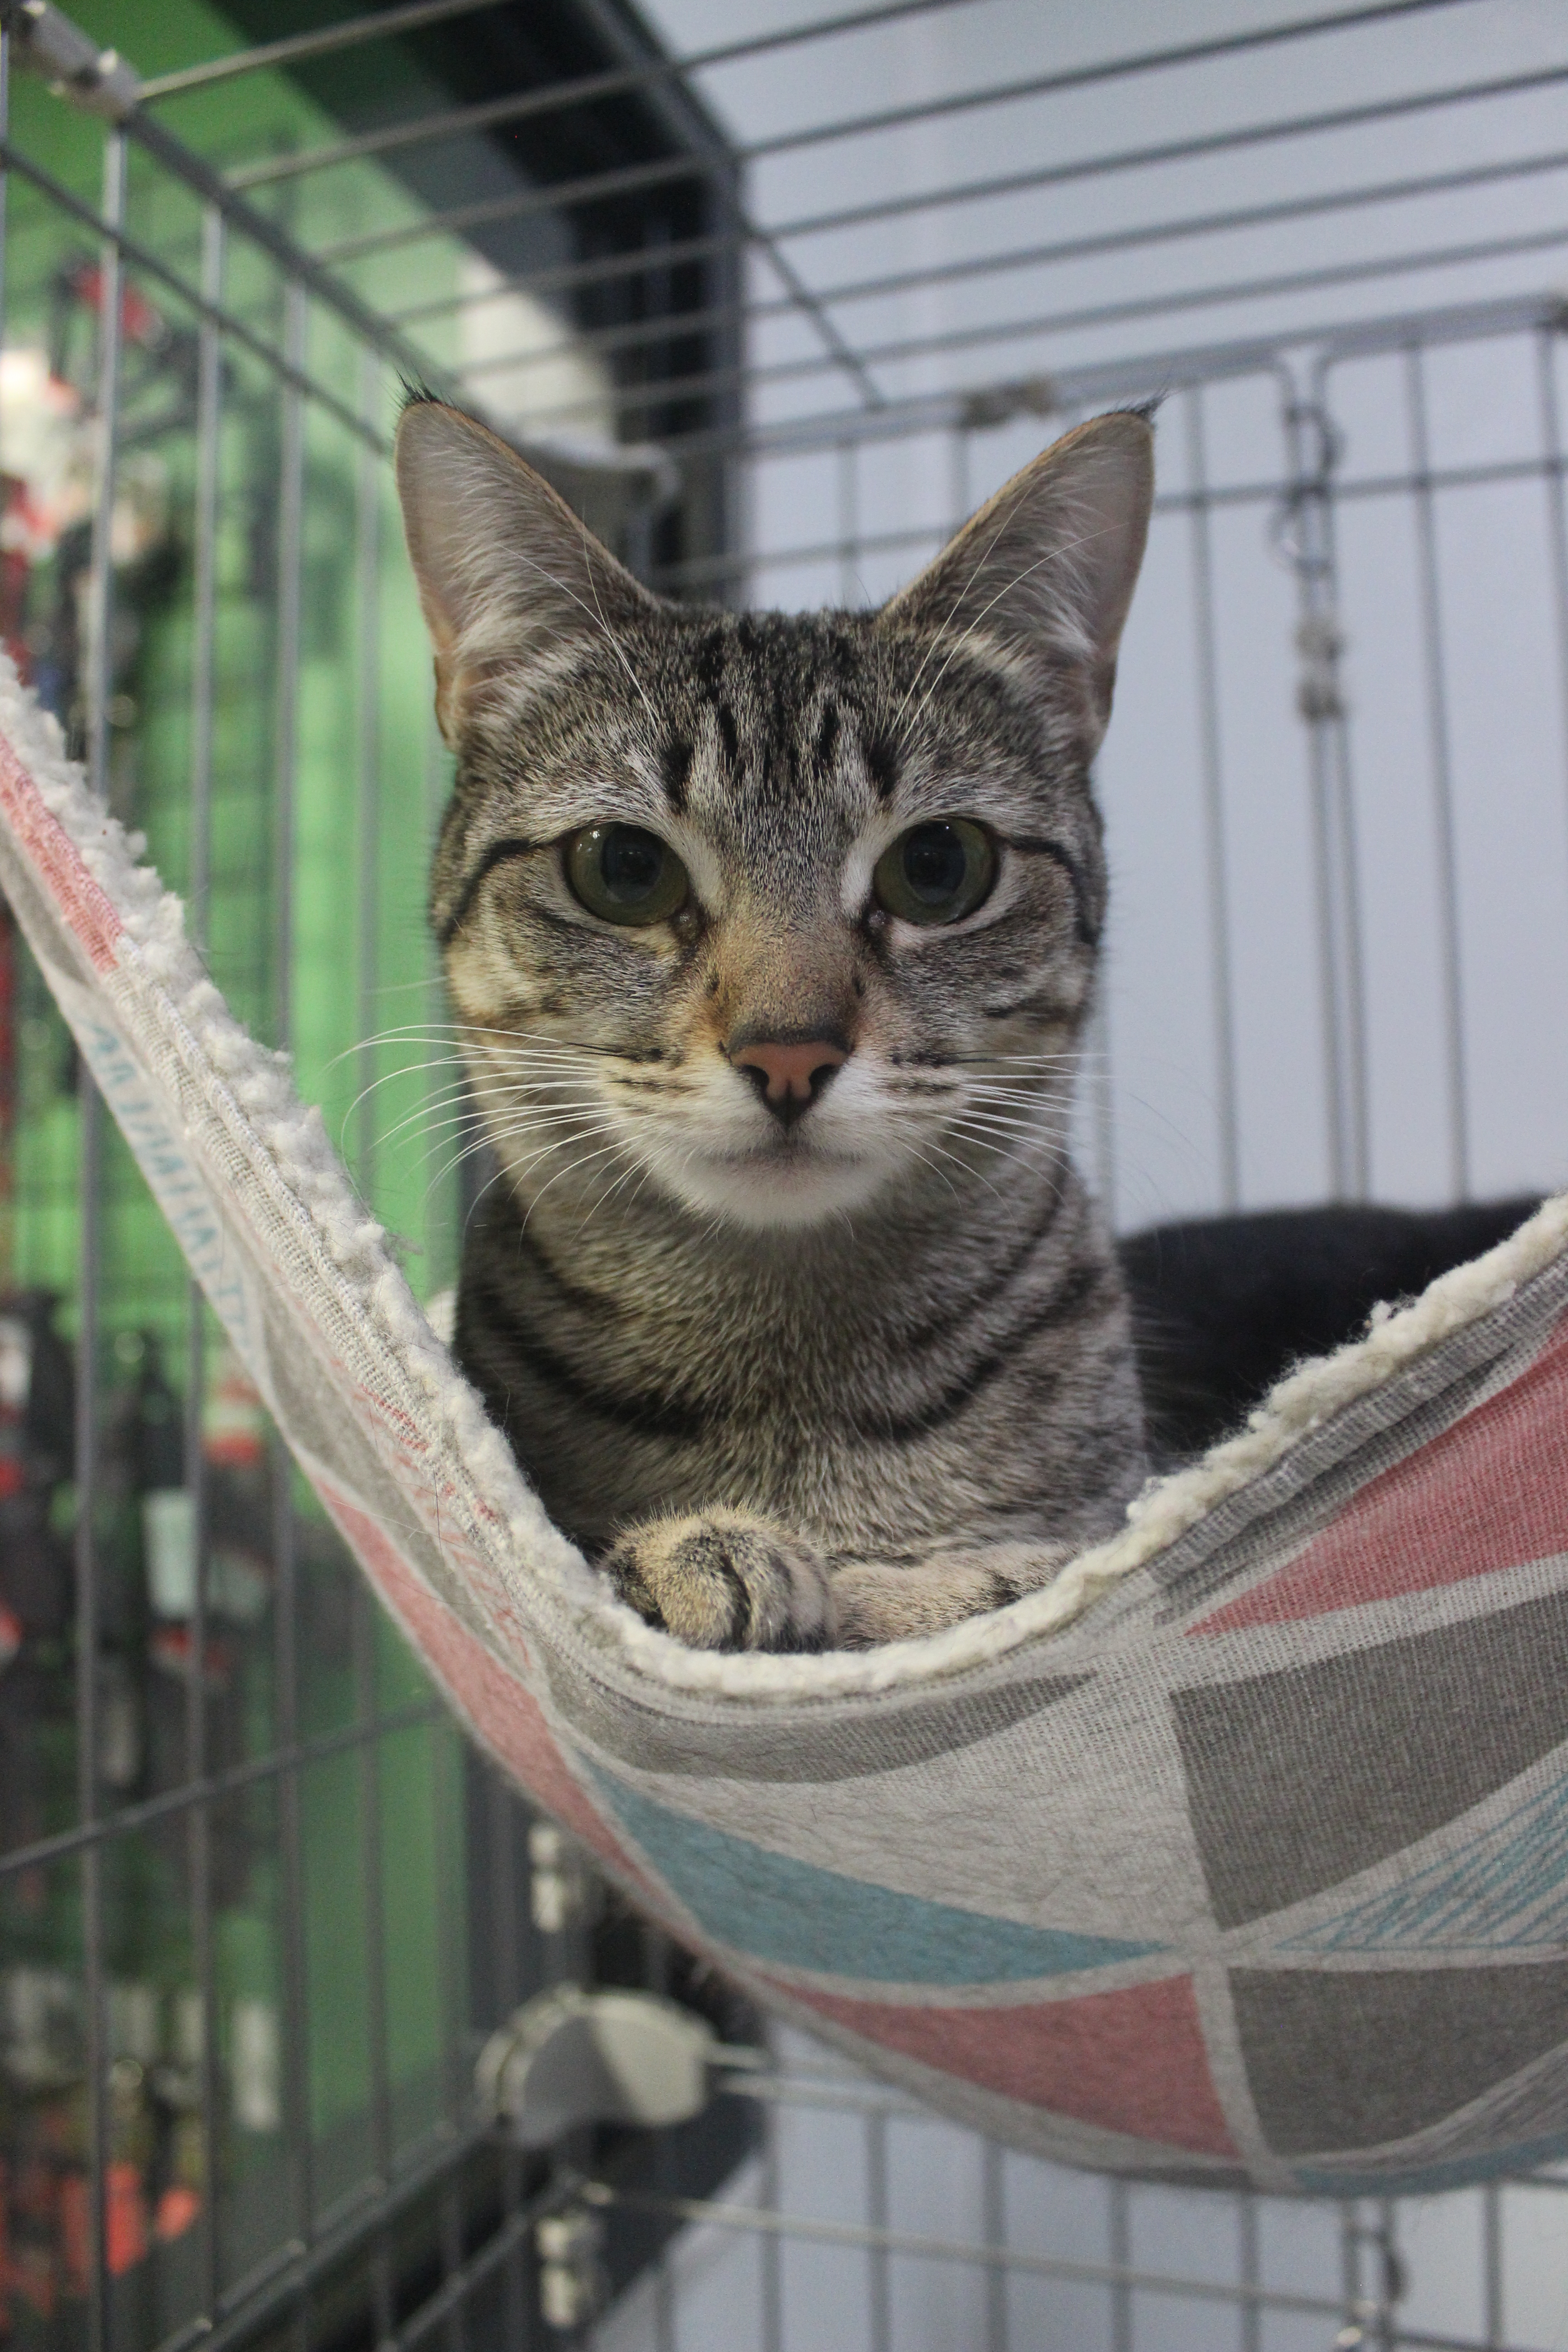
150	922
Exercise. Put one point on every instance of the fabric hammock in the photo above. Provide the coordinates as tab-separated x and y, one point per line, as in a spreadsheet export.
1239	1853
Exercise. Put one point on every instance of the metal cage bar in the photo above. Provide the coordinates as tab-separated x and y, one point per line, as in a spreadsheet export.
1441	757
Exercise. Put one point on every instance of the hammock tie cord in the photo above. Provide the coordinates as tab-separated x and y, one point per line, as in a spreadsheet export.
1239	1854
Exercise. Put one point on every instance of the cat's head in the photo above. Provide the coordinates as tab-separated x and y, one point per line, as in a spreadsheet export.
775	911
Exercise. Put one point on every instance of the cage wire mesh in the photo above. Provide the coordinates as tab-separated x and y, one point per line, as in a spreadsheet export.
777	303
257	1905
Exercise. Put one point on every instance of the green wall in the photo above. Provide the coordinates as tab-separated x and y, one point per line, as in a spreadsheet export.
362	808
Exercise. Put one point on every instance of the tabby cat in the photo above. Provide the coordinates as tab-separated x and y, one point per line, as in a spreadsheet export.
772	941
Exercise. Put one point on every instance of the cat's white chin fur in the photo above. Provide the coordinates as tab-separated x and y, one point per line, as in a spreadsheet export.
770	1192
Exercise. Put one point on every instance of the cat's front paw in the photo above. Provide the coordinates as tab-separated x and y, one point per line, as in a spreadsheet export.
720	1581
873	1603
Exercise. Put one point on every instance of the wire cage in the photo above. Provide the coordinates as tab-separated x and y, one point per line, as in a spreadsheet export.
258	1905
777	303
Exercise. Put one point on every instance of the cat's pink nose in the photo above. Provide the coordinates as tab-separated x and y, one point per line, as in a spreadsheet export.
789	1075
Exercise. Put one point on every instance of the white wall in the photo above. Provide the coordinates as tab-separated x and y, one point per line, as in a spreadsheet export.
1502	638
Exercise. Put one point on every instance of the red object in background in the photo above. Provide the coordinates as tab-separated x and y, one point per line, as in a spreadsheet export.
178	2209
139	322
124	2218
7	1070
74	2233
5	2249
170	1647
15	572
126	2233
234	1436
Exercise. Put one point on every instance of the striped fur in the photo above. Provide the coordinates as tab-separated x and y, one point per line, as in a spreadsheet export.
827	1383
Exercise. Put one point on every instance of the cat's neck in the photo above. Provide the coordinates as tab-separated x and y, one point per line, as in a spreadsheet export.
642	1359
925	1236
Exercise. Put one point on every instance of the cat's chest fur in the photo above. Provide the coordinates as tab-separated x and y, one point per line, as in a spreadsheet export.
881	1387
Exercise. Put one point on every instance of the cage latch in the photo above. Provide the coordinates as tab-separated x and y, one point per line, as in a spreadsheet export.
1320	641
572	2282
46	38
562	1890
569	2058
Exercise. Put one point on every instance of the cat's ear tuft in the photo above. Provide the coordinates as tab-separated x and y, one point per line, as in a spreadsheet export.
1043	575
509	577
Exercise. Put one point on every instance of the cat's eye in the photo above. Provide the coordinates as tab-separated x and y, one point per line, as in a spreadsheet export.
623	875
936	872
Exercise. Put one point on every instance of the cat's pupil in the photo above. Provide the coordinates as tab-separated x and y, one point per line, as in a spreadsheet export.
630	863
934	863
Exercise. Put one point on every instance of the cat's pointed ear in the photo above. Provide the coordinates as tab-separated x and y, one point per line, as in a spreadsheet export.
509	577
1044	573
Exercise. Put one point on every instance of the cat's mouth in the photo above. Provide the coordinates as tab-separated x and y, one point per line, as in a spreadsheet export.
793	1177
794	1157
787	1144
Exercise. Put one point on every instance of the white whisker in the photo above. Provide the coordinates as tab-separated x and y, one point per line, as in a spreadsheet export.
567	1171
430	1032
999	1123
469	1108
514	1134
476	1125
1052	555
941	1172
596	612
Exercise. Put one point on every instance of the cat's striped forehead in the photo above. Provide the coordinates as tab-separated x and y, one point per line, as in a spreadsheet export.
772	713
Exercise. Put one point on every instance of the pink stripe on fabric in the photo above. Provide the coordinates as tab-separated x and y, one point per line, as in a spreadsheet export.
1132	2061
57	863
1489	1493
507	1718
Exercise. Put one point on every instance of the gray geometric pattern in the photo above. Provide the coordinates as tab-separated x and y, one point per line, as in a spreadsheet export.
1351	2061
889	1735
1302	1779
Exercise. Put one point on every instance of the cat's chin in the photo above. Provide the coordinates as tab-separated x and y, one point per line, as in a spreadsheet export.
771	1192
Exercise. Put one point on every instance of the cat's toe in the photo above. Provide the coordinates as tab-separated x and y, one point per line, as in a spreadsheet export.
723	1582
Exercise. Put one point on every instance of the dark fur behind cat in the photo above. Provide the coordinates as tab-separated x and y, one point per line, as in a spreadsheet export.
1223	1307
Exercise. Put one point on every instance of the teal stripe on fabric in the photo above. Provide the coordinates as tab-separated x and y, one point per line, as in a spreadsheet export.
1425	2179
775	1908
1505	1889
